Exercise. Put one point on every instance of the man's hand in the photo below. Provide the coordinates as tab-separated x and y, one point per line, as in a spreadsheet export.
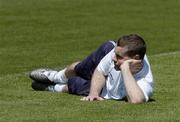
91	98
132	64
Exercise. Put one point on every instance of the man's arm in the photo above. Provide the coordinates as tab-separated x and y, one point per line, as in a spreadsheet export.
134	93
97	83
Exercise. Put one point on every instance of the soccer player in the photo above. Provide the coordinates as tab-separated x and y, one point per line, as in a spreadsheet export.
116	70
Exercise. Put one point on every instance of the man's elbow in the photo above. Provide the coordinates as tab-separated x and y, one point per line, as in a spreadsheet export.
136	101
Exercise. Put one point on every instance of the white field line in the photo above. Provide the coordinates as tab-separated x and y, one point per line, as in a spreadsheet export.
165	54
26	74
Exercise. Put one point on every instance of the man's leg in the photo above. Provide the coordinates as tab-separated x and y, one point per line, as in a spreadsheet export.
83	69
81	85
52	80
86	67
39	86
78	86
49	75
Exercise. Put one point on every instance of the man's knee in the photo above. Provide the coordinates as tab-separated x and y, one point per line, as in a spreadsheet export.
70	71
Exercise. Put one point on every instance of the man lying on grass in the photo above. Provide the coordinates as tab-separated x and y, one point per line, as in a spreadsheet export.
116	70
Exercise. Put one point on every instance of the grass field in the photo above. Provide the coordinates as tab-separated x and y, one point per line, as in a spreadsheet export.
54	33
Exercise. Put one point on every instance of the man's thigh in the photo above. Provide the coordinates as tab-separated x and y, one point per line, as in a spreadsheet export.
86	67
78	86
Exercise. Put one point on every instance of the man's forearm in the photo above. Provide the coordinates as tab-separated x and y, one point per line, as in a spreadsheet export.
97	83
134	93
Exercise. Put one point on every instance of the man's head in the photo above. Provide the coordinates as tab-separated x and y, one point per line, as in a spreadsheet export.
134	44
129	47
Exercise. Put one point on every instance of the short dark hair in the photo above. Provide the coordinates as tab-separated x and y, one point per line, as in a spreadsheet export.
134	43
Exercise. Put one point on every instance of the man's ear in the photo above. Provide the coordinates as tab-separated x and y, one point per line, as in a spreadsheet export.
137	57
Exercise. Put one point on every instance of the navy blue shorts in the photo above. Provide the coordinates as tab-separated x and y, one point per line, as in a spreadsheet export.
80	84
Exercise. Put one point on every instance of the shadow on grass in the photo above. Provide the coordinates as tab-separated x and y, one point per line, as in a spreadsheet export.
151	100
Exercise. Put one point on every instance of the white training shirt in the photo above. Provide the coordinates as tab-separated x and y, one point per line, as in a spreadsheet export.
114	88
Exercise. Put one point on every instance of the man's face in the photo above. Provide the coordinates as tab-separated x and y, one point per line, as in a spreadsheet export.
120	56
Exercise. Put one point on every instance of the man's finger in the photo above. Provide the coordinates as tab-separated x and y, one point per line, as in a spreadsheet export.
133	61
100	98
89	98
82	99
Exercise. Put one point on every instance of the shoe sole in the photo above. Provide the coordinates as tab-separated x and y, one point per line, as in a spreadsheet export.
38	76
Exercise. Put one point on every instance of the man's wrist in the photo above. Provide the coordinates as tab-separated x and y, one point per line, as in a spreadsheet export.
93	94
125	66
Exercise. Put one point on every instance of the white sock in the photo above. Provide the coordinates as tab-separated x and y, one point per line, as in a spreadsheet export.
59	87
57	77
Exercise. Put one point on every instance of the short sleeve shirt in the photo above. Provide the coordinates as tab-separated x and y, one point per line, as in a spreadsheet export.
114	88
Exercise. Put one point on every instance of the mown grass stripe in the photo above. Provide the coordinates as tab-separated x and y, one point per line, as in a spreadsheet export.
151	56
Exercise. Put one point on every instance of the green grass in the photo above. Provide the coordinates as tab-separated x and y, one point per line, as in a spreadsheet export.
54	33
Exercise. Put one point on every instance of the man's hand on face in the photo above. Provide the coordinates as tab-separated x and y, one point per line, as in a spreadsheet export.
132	64
91	98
